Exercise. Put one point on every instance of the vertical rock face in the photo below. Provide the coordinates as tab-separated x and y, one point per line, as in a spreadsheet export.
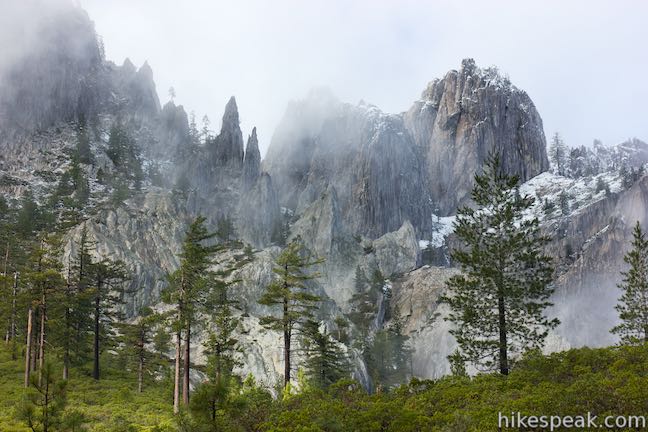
586	291
227	148
391	168
392	186
290	154
464	117
174	130
251	161
258	213
142	94
52	72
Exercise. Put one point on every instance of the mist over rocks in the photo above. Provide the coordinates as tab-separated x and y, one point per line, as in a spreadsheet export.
388	168
359	187
252	160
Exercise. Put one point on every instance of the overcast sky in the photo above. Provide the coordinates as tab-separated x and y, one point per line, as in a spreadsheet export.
584	63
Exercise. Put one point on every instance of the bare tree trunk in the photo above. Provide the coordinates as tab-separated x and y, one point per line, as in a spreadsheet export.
28	346
178	353
41	344
187	366
4	282
12	330
176	385
140	375
287	337
141	352
66	342
34	338
503	348
97	312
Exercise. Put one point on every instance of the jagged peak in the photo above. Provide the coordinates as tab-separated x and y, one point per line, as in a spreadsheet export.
146	71
231	115
252	143
128	66
489	77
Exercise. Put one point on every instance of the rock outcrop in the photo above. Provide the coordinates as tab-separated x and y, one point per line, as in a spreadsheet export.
466	116
391	168
258	216
56	73
251	161
227	148
173	133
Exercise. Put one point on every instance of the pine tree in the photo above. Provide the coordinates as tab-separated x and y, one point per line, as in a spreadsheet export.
602	185
108	278
326	363
548	207
136	339
633	304
364	302
497	304
188	286
558	155
389	356
563	200
43	406
125	154
289	292
44	294
78	323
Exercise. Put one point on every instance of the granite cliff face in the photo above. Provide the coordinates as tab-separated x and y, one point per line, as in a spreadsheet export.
392	168
464	117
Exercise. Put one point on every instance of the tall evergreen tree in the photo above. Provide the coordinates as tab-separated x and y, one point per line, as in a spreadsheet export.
78	323
558	154
108	278
388	357
136	339
188	287
326	363
633	304
497	303
45	293
289	292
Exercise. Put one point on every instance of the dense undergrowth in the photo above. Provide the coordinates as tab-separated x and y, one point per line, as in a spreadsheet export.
606	381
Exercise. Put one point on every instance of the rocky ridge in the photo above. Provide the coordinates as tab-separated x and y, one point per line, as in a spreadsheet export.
358	186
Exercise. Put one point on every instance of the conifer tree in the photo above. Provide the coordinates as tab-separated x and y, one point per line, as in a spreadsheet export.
188	287
44	403
107	278
136	338
558	154
78	323
326	363
44	295
633	304
289	292
389	355
497	303
563	200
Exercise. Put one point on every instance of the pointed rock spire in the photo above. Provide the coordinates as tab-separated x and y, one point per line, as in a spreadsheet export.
128	67
227	148
252	160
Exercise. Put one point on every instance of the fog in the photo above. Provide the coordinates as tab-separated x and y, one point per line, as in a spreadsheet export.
582	62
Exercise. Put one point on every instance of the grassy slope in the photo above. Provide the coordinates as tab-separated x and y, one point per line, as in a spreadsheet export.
608	381
111	404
